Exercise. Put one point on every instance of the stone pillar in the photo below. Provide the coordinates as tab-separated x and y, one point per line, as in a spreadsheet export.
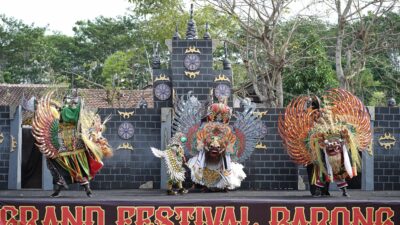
15	160
367	179
166	125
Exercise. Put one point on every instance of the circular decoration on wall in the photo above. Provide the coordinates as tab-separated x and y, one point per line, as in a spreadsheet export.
222	90
162	91
125	131
192	62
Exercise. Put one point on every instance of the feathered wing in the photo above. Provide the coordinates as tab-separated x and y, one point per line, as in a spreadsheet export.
174	168
157	153
347	108
187	120
294	128
91	129
248	129
45	127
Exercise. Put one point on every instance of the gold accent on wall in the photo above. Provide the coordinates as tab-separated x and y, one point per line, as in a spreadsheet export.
222	77
13	143
192	49
161	78
260	114
387	141
126	115
125	145
192	75
260	145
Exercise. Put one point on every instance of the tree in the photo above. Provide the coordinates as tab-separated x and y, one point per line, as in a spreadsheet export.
355	37
265	46
159	25
125	70
100	38
311	71
22	52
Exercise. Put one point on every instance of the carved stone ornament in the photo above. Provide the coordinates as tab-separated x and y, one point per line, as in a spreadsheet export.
260	145
387	141
260	114
221	77
126	146
126	115
13	143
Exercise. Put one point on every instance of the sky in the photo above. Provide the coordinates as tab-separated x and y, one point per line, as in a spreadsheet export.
61	15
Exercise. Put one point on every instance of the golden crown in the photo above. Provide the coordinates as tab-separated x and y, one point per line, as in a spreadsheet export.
192	49
162	77
125	145
221	77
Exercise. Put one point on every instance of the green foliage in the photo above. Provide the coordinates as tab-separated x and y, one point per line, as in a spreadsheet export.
117	67
99	38
378	98
311	71
366	86
122	69
154	7
116	52
22	52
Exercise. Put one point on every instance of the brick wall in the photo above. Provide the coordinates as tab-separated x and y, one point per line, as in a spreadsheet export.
131	168
387	161
5	146
267	169
201	85
271	168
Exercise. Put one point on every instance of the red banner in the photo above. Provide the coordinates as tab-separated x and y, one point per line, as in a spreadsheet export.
199	212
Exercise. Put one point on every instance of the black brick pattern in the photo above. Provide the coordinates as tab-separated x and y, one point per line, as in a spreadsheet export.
130	169
201	85
270	169
387	162
5	146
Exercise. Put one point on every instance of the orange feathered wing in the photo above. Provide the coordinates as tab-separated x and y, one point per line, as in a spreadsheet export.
45	127
294	128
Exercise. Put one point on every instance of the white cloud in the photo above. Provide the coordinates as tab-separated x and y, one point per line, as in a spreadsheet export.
61	15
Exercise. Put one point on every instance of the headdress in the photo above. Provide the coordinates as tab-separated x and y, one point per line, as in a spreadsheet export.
342	115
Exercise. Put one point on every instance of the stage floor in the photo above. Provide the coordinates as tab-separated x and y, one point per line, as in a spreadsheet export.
156	195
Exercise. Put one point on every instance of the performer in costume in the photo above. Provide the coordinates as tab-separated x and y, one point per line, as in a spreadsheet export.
217	148
70	138
330	136
174	158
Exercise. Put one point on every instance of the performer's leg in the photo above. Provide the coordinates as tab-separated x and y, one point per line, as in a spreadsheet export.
170	190
57	190
310	170
58	180
181	190
325	191
319	185
86	185
342	184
